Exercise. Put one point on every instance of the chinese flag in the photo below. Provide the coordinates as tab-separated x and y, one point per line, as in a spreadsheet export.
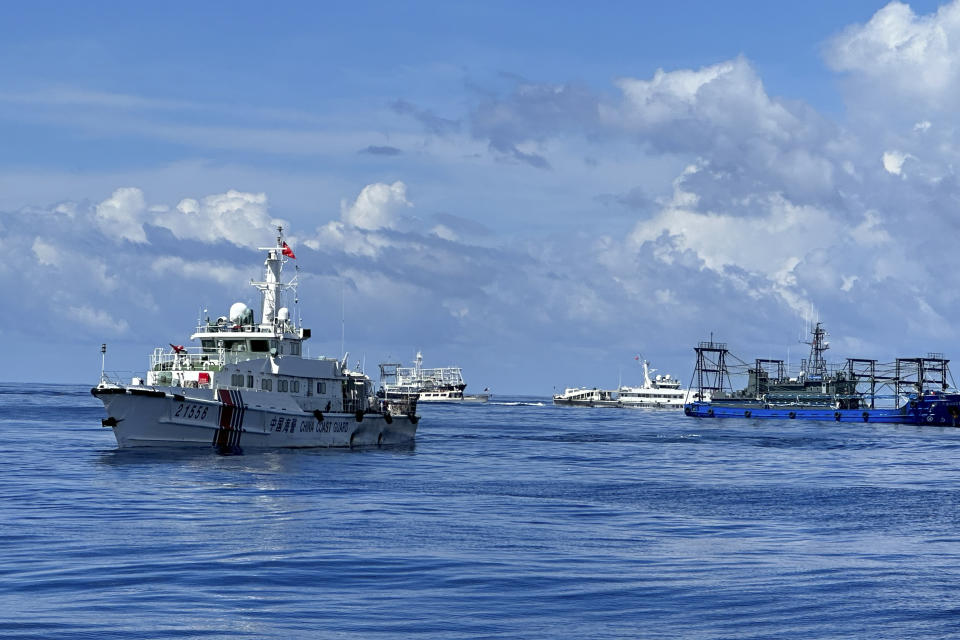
287	251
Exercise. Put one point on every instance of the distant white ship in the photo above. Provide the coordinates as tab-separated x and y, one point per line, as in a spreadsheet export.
584	397
442	384
661	392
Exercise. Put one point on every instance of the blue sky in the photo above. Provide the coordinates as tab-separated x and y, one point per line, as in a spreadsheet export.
533	191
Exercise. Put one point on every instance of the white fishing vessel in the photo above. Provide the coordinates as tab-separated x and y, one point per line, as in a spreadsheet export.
441	384
661	392
247	385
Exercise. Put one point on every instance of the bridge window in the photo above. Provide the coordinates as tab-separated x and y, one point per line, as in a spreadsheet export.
235	345
260	346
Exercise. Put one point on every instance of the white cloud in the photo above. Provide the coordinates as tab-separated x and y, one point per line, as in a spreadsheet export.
377	206
725	96
893	161
46	253
761	245
235	216
219	272
906	56
238	217
870	232
122	215
445	232
366	223
98	319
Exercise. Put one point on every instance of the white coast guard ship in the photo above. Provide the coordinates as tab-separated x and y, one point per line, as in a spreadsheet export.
247	385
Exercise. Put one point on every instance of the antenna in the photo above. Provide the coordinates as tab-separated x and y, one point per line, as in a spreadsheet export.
296	296
343	323
103	361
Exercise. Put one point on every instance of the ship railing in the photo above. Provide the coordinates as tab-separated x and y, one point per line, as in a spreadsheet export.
425	377
230	327
188	359
119	378
406	406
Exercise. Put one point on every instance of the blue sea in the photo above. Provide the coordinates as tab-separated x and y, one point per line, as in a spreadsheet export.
515	519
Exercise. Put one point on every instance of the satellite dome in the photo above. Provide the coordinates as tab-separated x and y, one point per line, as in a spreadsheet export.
237	309
283	314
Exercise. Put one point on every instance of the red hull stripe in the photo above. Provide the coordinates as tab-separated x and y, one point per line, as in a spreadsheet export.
230	419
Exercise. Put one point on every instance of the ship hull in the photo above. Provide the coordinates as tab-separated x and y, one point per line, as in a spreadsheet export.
154	418
716	410
464	400
586	403
619	404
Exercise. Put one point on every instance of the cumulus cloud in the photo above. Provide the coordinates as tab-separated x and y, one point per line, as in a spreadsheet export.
377	206
906	56
237	217
122	215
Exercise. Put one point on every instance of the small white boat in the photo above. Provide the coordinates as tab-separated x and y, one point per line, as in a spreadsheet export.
248	385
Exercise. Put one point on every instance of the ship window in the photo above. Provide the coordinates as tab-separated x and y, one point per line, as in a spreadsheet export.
260	346
266	384
296	386
294	348
235	345
236	380
250	381
321	387
209	346
281	385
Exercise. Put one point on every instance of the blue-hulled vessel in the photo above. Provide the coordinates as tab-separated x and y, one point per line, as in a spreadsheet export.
908	391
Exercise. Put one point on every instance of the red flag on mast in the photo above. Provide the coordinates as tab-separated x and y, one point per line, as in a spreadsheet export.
287	251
